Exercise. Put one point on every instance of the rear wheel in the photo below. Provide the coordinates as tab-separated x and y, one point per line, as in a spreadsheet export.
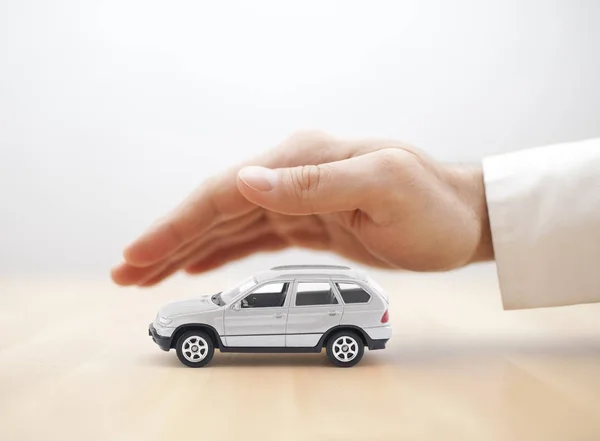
195	348
345	348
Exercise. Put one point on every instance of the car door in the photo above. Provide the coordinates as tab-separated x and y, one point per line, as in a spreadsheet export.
259	318
314	308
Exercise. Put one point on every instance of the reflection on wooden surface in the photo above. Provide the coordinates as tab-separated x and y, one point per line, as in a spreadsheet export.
76	364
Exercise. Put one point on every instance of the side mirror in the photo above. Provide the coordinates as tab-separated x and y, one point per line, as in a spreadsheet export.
236	306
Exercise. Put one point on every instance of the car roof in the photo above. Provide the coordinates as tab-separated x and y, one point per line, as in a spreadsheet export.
310	271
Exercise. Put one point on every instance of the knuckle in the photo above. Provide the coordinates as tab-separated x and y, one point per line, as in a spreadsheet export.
396	163
307	145
305	180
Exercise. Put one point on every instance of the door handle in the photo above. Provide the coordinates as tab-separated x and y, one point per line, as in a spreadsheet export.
332	312
278	314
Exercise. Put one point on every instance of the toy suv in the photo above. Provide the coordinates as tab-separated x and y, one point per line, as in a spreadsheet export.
296	308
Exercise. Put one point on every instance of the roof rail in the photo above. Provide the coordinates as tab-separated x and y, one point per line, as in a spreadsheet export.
294	267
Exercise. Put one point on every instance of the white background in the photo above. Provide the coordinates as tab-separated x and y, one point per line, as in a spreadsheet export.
112	111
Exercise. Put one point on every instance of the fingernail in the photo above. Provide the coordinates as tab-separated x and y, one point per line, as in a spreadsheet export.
258	178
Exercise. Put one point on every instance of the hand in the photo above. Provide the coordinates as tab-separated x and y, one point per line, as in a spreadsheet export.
378	202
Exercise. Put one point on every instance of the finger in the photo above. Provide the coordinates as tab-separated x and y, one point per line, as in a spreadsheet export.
226	229
325	188
270	242
306	231
167	271
211	204
202	249
219	199
243	237
125	274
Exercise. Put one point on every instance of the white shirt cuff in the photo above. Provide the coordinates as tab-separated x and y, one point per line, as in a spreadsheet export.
544	209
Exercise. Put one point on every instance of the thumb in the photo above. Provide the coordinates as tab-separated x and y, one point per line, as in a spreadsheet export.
309	189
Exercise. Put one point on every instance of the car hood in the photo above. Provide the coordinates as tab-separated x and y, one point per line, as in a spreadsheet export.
188	306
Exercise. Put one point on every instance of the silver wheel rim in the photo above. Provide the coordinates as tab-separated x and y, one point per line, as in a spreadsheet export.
345	348
194	349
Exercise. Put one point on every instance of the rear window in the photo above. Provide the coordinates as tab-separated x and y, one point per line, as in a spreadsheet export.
353	293
372	283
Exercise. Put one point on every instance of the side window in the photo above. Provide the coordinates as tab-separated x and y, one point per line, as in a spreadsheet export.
352	293
315	293
270	295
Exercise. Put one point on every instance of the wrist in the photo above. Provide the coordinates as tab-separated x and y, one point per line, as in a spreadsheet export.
469	183
485	249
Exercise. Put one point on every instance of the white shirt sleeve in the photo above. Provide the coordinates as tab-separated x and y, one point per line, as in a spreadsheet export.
544	209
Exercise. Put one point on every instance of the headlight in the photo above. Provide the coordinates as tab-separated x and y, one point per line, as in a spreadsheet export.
164	321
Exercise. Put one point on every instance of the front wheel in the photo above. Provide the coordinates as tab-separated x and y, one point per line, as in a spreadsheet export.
345	349
195	349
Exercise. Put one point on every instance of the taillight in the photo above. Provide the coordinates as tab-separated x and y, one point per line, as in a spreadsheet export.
385	317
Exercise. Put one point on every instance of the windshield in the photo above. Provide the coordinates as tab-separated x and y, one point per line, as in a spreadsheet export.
230	294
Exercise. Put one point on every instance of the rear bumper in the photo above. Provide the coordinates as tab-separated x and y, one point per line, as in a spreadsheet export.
163	342
377	337
377	344
379	332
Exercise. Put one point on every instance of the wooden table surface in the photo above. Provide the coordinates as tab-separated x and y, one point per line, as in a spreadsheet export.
76	363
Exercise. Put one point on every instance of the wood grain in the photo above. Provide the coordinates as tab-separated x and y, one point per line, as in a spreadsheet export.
76	364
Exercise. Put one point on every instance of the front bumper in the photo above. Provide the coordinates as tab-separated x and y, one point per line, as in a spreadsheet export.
163	342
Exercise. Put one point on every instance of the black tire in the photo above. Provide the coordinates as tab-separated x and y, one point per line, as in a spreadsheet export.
187	354
337	354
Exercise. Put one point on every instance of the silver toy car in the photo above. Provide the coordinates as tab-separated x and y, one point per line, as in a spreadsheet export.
295	308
